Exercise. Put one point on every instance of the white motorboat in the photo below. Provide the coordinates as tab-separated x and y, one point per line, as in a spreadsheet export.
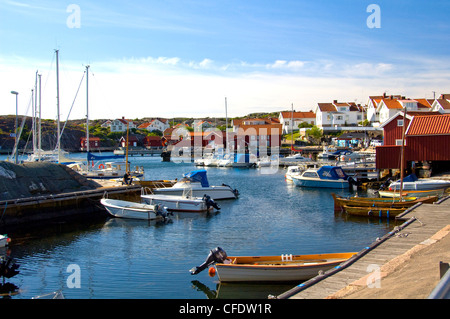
292	170
323	177
132	210
412	183
198	182
327	153
184	203
294	158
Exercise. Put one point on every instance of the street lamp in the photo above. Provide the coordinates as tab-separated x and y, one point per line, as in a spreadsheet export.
15	126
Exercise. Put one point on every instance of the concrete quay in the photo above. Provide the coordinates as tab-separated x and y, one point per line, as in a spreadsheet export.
404	264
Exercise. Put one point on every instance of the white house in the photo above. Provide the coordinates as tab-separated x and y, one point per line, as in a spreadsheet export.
155	124
119	125
388	107
442	104
293	119
337	114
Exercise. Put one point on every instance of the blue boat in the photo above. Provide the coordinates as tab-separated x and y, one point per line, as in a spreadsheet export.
323	177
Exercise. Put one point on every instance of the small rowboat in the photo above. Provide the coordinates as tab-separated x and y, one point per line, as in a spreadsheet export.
381	212
339	201
132	210
284	268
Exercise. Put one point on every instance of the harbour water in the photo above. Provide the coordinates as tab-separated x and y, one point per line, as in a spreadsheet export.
126	259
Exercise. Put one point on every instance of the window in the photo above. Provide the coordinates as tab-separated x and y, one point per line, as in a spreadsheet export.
399	122
399	142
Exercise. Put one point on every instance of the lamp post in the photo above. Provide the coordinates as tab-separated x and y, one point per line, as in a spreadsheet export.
15	126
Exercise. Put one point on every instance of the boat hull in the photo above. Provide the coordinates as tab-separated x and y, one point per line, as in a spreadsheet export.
379	212
319	183
434	192
131	210
177	203
278	268
339	202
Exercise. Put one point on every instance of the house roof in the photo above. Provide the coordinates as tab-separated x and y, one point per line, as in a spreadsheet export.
298	115
327	107
429	125
392	104
424	103
445	104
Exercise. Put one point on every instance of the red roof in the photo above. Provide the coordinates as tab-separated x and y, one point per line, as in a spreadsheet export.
430	125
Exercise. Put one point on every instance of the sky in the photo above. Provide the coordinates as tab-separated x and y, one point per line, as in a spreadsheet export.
185	58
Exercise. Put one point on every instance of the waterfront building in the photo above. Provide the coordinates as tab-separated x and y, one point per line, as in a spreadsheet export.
296	118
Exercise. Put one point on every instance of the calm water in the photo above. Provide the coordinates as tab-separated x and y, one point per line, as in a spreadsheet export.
138	259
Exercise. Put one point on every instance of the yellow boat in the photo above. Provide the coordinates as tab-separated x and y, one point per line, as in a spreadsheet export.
339	201
374	211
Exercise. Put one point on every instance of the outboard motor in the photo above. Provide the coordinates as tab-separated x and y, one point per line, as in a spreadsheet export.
210	202
385	184
216	255
161	211
353	182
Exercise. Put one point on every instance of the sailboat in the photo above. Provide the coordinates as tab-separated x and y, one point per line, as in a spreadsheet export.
57	155
104	166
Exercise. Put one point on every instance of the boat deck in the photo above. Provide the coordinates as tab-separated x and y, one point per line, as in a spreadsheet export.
417	230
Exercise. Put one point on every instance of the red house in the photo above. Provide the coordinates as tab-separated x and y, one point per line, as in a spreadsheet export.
153	142
94	142
427	138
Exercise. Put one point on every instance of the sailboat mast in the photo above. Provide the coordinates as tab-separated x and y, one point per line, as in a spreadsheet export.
226	126
292	128
40	123
58	143
87	112
402	156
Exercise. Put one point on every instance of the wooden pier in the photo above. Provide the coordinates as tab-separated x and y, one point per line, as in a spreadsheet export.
418	228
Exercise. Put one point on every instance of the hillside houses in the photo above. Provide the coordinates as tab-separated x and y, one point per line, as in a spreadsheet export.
157	124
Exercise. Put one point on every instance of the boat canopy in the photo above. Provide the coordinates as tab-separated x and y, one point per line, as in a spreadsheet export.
92	157
198	176
409	178
331	172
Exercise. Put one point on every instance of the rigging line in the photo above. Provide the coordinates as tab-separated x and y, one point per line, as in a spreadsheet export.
16	145
73	103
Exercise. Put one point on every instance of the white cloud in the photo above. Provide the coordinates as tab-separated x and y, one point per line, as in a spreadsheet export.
170	87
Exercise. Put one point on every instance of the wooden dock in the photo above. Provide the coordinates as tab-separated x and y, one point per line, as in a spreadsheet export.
419	225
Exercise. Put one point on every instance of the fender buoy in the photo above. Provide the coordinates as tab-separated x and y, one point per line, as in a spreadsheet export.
101	166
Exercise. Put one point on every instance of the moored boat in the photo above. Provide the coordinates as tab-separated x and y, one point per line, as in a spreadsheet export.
132	210
198	182
323	177
283	268
412	183
374	211
412	193
184	203
340	201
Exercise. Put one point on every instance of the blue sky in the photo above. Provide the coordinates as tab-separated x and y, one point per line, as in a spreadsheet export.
182	58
